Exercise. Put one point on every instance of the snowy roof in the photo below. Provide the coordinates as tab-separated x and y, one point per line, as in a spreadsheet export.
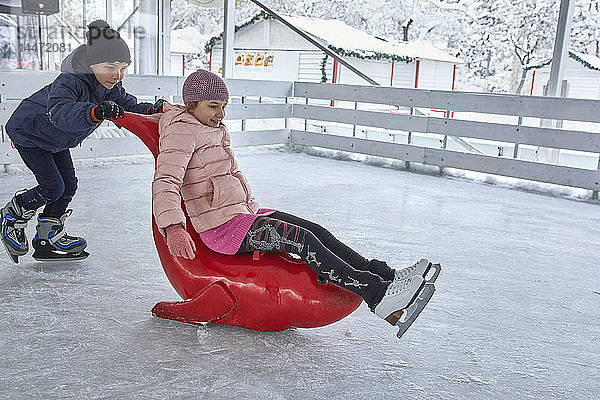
587	60
187	40
338	34
349	41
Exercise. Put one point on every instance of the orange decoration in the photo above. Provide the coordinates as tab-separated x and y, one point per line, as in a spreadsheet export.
239	59
268	61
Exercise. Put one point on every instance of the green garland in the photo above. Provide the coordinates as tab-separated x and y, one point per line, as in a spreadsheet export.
571	55
261	15
582	61
375	55
541	65
323	65
348	53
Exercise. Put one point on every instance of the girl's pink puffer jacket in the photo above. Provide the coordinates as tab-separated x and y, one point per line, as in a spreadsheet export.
196	161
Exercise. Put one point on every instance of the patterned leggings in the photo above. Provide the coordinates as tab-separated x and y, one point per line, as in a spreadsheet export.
324	254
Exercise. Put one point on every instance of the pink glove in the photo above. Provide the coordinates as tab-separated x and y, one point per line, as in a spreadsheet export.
180	242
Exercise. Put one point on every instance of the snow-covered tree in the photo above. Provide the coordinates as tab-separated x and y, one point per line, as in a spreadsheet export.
585	35
531	26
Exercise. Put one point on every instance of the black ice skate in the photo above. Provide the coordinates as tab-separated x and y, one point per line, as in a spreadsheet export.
14	222
51	243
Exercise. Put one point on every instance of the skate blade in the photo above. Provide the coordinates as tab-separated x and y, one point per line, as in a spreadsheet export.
431	278
412	312
62	257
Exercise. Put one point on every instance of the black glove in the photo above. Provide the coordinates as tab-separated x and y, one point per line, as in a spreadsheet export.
108	110
157	107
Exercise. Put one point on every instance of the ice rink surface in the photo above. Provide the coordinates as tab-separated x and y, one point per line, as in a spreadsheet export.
516	313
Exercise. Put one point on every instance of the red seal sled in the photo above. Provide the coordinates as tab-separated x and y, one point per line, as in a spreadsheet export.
261	291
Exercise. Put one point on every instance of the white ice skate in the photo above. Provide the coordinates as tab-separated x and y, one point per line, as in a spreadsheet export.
405	298
423	268
398	296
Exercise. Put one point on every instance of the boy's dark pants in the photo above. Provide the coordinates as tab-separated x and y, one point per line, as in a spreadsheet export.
56	180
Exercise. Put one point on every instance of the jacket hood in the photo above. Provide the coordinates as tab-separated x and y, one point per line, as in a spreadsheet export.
75	64
176	113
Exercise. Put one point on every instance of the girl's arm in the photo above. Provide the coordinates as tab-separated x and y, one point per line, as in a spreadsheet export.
176	146
64	110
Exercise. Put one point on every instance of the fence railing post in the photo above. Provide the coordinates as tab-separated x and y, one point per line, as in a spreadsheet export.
306	121
243	121
286	119
516	149
2	131
354	125
409	136
445	141
595	192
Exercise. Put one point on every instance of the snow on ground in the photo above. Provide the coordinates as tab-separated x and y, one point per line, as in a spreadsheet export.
515	314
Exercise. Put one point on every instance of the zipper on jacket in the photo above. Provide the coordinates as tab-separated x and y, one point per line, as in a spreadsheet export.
222	127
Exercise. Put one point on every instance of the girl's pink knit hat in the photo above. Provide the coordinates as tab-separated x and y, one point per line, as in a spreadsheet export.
204	85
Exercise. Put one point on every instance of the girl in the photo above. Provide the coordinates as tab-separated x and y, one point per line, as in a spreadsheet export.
51	121
196	163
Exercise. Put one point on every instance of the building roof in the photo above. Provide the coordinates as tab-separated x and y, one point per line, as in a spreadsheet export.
587	60
187	40
348	41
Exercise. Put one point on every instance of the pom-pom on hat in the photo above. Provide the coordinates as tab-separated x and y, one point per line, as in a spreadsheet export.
204	85
104	44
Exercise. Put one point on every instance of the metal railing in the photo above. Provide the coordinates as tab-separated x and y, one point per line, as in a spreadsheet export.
507	135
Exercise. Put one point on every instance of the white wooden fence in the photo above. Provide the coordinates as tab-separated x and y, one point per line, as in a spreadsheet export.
470	131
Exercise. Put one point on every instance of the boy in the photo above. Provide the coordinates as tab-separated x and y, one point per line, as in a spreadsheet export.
51	121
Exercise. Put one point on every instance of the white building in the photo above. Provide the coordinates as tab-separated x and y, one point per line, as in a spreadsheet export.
582	73
186	44
267	49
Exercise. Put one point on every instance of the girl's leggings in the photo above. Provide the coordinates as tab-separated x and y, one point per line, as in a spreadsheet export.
324	254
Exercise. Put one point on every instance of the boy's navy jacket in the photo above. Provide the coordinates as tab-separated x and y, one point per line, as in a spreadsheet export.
58	116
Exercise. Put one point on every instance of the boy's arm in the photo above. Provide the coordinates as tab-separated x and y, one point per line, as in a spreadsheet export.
64	110
176	146
128	101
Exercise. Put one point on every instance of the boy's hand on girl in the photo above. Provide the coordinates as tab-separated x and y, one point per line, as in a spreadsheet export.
180	242
108	110
157	107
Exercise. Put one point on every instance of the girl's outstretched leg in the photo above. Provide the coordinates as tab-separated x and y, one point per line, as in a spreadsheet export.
338	248
270	234
389	300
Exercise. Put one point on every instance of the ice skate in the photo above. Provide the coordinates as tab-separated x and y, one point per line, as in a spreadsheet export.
52	243
423	268
398	296
404	300
14	222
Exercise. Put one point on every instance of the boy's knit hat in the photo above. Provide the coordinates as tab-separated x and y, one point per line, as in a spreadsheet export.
104	44
204	85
